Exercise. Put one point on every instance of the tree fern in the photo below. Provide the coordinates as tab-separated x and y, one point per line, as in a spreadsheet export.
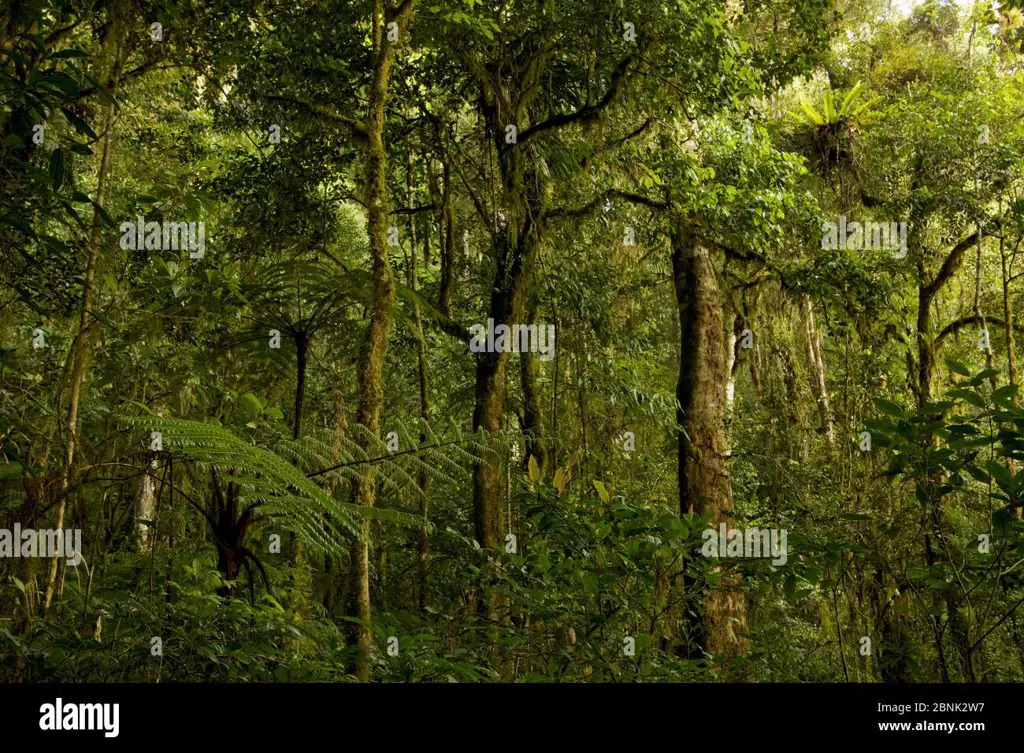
443	458
285	483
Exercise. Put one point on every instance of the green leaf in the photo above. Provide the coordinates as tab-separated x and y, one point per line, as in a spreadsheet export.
896	465
101	318
828	109
103	214
970	396
811	115
602	491
957	368
80	125
1001	474
1005	392
850	98
889	408
57	168
560	480
977	473
62	82
69	53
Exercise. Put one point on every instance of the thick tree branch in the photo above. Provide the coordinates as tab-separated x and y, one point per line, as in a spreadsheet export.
949	266
453	328
414	210
153	65
588	112
357	128
953	327
600	199
629	136
752	256
59	34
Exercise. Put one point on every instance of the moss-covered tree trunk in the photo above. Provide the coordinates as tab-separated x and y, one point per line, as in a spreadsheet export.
514	244
703	472
819	385
939	548
491	375
423	559
533	420
371	357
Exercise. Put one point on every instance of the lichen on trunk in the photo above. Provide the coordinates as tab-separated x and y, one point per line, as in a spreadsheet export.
703	474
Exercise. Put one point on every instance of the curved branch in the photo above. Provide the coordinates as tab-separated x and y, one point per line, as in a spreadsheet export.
588	112
953	327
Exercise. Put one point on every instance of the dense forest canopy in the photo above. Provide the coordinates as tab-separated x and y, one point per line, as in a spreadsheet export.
501	340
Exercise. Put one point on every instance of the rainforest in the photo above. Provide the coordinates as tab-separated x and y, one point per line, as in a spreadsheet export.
750	273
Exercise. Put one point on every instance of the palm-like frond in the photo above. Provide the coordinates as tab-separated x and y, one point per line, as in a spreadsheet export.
443	458
285	482
848	109
263	477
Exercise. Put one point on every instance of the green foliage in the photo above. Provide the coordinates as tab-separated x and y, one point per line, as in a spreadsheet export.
748	125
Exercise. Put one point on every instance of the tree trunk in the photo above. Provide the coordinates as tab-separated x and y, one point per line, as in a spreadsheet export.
78	354
506	307
371	357
893	664
423	560
734	321
487	475
934	516
925	348
514	241
1011	348
301	353
819	386
533	422
444	295
145	507
703	472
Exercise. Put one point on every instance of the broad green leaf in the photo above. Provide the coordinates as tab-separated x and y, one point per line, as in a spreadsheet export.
533	469
957	368
57	168
889	408
970	396
559	480
1005	392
